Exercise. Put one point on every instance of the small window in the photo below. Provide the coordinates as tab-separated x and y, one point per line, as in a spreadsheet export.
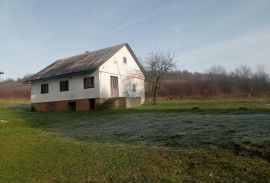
64	86
124	60
134	87
44	88
88	82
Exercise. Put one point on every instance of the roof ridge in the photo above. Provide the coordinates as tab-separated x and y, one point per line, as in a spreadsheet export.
123	44
88	52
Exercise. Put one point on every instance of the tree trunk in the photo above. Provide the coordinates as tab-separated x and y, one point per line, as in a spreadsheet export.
155	91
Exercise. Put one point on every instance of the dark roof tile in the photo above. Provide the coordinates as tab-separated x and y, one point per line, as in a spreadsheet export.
84	63
88	61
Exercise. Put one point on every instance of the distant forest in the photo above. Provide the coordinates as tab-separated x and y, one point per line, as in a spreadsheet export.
214	82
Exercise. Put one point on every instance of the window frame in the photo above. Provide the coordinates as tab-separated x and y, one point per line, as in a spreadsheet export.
44	90
61	87
125	60
92	84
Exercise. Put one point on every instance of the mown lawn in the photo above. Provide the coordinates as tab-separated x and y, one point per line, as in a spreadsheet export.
163	143
230	105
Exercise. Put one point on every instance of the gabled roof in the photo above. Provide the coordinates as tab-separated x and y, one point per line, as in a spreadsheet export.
87	62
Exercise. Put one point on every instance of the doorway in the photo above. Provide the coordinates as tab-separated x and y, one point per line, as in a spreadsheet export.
71	106
114	86
92	104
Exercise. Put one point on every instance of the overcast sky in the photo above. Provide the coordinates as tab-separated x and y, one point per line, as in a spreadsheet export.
34	33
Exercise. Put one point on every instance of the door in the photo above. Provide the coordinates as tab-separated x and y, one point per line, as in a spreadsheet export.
92	104
71	106
114	86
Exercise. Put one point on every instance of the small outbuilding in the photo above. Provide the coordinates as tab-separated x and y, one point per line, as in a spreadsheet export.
107	78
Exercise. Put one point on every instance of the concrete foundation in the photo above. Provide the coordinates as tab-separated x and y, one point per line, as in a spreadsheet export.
59	106
87	104
82	105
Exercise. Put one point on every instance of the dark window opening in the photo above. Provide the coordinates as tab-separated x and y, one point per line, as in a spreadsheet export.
44	88
64	85
92	104
124	60
88	82
71	106
134	87
33	108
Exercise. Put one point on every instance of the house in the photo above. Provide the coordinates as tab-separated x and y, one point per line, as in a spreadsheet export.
110	77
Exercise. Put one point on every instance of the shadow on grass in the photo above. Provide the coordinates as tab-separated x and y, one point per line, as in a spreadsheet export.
245	133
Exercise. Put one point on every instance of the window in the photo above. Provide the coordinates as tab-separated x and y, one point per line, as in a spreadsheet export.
88	82
134	87
124	60
44	88
64	85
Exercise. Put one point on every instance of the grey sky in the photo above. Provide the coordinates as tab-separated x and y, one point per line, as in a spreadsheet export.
35	33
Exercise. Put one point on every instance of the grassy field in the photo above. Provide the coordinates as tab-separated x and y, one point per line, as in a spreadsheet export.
182	141
230	105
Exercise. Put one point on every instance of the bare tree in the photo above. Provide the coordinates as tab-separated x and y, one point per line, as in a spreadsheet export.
261	72
158	64
244	72
216	70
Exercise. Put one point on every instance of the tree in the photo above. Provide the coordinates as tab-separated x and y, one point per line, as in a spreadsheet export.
243	72
261	74
216	70
261	81
242	76
158	64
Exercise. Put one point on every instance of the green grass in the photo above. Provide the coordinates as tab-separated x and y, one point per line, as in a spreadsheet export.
231	105
148	144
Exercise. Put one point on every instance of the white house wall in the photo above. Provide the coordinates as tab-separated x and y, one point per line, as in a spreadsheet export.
128	74
76	90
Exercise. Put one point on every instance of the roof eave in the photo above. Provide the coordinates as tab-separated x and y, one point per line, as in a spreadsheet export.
60	76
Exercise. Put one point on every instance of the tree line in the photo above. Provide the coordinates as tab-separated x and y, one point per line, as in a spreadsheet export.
14	89
164	81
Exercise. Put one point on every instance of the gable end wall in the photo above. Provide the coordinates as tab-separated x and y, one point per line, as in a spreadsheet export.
128	74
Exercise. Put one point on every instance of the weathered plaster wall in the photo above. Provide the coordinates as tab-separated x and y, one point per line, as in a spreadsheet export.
76	90
128	74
